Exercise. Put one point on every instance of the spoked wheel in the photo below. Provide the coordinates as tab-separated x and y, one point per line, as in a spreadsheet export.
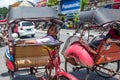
48	72
71	66
110	70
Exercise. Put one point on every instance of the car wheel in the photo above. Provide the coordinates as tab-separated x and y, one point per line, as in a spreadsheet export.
18	35
33	35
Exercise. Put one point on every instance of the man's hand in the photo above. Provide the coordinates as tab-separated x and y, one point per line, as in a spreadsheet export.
108	40
112	41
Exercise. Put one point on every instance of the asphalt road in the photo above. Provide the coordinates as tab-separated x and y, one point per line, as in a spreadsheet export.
24	75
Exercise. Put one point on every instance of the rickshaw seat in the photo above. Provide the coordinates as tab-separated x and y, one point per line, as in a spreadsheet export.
31	56
87	47
107	53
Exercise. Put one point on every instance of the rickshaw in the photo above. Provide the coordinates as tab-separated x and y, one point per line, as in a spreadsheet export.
3	32
99	59
20	56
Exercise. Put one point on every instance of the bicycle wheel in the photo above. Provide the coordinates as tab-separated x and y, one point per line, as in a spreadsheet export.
60	78
114	66
71	66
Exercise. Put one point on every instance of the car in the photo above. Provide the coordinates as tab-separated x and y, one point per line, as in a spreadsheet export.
26	28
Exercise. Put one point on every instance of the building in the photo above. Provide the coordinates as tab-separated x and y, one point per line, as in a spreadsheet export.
23	3
104	3
41	3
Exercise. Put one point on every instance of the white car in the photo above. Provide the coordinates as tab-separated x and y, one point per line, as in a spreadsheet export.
26	28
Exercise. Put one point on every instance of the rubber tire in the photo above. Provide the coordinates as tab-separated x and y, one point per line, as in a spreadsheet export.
33	35
60	78
72	67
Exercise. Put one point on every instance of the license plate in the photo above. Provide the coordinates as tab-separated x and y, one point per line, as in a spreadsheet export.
28	29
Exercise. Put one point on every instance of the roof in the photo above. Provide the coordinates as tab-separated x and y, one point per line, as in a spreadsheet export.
26	3
100	16
31	13
16	4
17	14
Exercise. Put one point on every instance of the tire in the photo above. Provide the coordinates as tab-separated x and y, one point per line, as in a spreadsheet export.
33	35
60	78
70	67
19	35
105	73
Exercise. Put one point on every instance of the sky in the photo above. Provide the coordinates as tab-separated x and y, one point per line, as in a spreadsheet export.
6	3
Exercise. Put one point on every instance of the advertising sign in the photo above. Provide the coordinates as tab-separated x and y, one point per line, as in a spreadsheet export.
70	6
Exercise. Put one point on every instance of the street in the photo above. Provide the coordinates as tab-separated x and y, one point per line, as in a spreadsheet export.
64	34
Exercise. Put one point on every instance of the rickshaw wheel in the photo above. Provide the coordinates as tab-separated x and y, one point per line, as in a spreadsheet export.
11	73
71	66
106	73
60	78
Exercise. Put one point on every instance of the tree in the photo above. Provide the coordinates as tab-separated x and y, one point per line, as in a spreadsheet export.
83	4
3	12
52	2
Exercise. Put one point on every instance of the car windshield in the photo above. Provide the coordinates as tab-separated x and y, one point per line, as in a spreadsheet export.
27	24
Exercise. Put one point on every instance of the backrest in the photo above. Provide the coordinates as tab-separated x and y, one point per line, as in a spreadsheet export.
31	56
107	53
30	51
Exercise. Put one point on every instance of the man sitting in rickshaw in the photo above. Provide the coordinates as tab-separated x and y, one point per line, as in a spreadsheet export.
113	34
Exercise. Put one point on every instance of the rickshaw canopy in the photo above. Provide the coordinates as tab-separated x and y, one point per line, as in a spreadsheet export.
3	22
32	13
100	16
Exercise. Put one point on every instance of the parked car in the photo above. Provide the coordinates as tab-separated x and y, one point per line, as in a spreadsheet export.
26	28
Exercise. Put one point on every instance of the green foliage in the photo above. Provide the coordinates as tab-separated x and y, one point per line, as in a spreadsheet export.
83	4
52	2
76	19
3	12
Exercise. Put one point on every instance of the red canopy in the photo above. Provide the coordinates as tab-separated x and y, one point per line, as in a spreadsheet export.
4	21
